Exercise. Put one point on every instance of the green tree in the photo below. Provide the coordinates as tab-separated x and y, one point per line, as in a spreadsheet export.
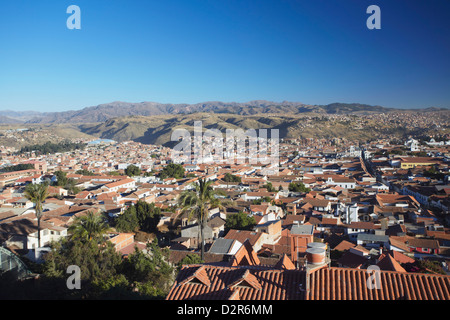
269	187
98	264
18	167
149	272
190	259
71	186
143	216
61	178
132	170
50	147
240	221
172	170
127	221
91	226
228	177
37	193
197	203
148	216
67	183
261	200
85	172
298	187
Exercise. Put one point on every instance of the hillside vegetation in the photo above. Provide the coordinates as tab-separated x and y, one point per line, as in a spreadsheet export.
158	129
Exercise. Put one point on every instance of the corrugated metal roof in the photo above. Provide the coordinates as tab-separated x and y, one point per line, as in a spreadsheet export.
302	229
372	237
221	246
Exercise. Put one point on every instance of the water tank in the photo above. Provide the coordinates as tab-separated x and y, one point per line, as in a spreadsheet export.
315	255
317	245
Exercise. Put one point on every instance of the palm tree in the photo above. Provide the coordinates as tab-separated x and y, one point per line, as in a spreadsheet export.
197	203
88	227
37	193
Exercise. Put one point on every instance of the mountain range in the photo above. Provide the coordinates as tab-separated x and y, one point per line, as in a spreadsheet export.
153	123
104	112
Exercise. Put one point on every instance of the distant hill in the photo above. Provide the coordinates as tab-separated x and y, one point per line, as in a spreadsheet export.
104	112
10	116
8	120
158	129
153	123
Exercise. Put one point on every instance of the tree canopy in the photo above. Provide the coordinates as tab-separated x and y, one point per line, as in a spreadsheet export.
17	167
91	226
37	193
104	274
172	170
50	147
228	177
85	172
132	170
298	187
197	203
141	216
240	221
67	183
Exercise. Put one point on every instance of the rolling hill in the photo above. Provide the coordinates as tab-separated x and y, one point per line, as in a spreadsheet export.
104	112
153	123
158	129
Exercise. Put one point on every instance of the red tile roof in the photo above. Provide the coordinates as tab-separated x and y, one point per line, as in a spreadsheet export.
247	279
352	260
260	284
387	262
285	263
199	275
401	258
351	284
243	235
344	245
245	256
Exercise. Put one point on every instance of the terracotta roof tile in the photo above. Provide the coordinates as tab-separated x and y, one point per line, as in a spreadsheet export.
258	283
273	284
245	256
401	258
387	262
352	260
344	245
351	284
199	274
285	263
246	280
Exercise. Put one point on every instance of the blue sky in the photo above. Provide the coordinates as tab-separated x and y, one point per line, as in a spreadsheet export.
189	51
